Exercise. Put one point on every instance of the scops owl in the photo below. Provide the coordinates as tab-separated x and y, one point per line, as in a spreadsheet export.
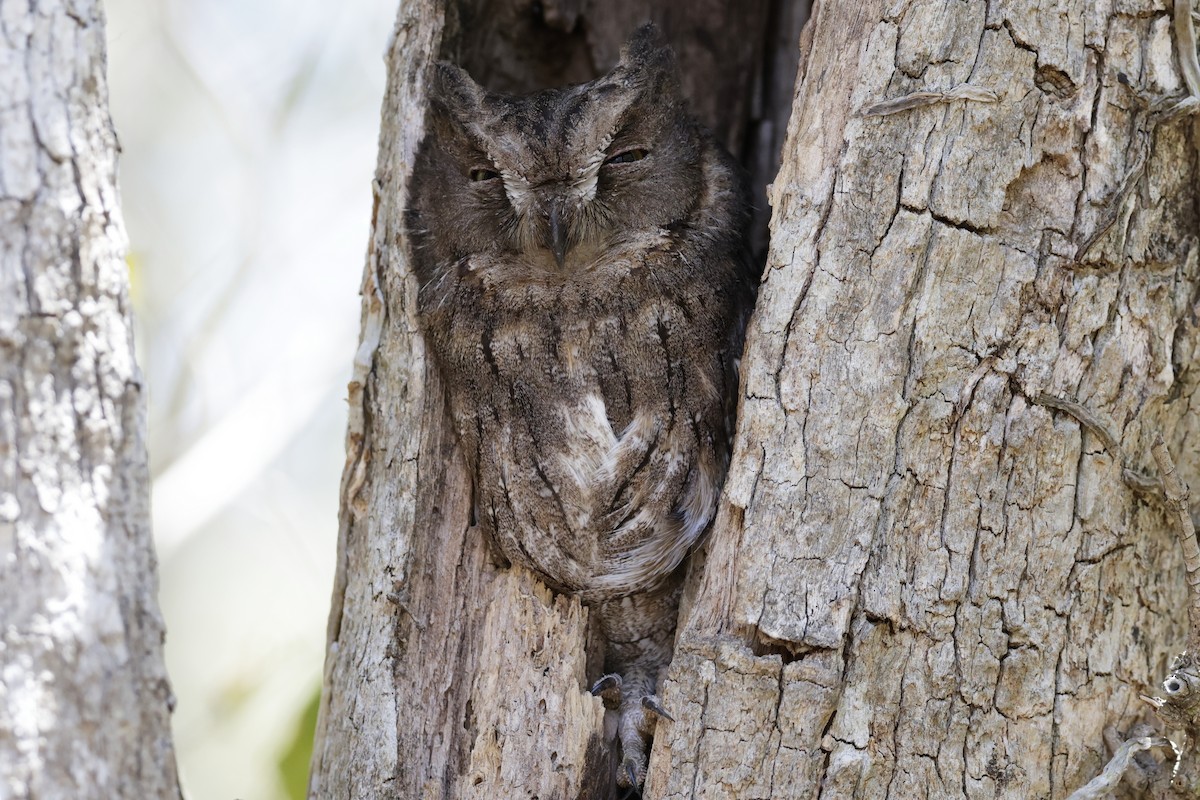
584	285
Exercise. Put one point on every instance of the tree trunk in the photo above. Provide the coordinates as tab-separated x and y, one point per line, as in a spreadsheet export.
925	578
84	698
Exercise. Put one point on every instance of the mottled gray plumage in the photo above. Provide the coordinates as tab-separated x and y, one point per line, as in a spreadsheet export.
584	285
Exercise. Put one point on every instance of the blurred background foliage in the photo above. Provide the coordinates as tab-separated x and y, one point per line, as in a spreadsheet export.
248	130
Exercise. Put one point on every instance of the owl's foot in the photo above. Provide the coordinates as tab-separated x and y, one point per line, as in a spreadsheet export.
637	714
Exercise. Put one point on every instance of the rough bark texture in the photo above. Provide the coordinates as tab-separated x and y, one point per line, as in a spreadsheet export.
84	698
448	675
923	581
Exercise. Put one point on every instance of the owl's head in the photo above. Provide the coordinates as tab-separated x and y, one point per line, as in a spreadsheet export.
558	177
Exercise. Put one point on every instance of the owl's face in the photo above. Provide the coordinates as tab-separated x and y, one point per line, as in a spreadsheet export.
555	179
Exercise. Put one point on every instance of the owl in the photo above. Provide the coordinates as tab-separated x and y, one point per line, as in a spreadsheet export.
584	284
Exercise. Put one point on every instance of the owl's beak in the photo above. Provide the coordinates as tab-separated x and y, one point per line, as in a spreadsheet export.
558	230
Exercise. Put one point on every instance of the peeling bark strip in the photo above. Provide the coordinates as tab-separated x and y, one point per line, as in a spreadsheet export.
84	699
922	583
1106	782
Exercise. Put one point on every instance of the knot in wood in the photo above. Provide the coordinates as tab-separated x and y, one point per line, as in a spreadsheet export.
1182	687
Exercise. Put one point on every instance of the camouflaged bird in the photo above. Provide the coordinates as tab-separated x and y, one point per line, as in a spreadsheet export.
584	286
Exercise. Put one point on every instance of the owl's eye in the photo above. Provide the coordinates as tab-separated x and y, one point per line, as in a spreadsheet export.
628	156
481	174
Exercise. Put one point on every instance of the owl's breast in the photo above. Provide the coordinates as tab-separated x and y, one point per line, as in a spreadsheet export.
593	413
602	512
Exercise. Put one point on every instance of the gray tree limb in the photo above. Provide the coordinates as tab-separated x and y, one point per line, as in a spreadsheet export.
84	698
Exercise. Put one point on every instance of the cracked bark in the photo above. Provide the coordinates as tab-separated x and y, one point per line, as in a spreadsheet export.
921	582
84	698
949	587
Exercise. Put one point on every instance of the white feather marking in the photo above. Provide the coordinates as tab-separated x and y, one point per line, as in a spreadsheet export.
595	444
699	503
516	185
659	542
585	187
517	189
586	176
638	569
666	541
596	449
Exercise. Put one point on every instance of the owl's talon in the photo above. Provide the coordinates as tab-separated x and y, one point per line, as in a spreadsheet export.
608	689
631	773
606	682
651	703
637	716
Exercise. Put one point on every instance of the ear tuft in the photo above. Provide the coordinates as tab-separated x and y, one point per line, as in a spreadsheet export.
645	41
647	59
453	90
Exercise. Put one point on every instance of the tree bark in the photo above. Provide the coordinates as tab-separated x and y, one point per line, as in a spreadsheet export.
84	698
924	581
448	676
926	578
